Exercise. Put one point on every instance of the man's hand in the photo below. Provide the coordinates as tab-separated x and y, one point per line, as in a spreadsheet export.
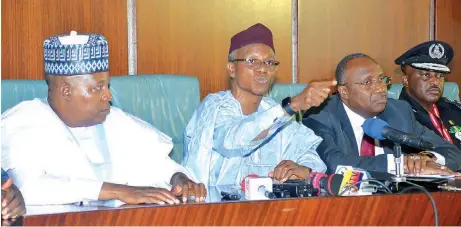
433	168
13	204
183	186
288	169
414	164
312	95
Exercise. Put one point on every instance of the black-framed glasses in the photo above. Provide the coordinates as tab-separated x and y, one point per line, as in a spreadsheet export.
256	64
369	83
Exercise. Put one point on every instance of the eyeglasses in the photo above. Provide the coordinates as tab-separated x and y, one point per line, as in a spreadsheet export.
256	64
370	83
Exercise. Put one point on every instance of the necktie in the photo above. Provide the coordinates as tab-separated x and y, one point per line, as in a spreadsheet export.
438	124
368	146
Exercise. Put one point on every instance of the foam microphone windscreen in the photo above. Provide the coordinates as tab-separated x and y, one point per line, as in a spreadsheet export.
315	179
373	127
334	184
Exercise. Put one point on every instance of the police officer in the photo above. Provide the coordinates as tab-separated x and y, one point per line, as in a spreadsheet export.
424	69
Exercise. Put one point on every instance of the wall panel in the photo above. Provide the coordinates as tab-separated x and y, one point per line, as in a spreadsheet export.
193	37
26	23
384	29
448	29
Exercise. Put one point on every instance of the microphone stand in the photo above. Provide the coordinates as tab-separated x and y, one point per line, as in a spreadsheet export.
398	159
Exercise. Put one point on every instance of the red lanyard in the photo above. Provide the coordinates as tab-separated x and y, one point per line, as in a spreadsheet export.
435	116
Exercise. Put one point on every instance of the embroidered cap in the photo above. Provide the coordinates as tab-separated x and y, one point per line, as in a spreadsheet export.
257	33
431	56
76	54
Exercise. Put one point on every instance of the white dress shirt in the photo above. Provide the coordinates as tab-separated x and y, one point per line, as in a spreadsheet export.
356	123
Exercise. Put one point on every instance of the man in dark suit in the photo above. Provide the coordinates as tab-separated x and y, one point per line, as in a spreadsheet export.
362	94
424	67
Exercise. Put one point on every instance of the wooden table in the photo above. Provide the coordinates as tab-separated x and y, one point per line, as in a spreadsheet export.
407	209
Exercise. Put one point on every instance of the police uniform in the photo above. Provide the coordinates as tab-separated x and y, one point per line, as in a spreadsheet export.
434	56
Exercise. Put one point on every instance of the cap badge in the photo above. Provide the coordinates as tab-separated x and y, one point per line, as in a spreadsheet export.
436	51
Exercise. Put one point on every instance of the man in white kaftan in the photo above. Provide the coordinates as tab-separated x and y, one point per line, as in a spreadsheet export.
73	147
235	133
220	146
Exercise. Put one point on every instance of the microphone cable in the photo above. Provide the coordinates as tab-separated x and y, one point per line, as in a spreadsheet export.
421	188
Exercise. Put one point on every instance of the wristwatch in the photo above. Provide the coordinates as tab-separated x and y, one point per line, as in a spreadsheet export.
286	106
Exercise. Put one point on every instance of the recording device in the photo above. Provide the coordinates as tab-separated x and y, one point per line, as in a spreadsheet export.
257	188
230	195
380	130
294	188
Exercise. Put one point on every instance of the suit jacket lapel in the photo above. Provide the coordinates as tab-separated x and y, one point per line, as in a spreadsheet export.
346	126
387	145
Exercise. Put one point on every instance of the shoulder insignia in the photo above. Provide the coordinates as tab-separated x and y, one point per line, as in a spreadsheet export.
455	129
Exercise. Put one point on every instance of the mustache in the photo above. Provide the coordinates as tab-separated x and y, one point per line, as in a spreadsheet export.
433	87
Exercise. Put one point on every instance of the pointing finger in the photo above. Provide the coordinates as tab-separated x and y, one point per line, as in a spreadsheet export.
328	83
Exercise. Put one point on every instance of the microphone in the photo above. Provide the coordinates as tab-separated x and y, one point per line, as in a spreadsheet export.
324	183
380	130
257	188
334	184
351	176
263	190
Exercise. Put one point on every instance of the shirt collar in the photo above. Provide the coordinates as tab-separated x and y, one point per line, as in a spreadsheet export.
355	119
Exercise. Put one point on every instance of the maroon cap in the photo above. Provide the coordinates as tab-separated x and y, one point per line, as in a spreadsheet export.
257	33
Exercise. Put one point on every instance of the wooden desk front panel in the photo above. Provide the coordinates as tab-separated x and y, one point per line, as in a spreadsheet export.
409	209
